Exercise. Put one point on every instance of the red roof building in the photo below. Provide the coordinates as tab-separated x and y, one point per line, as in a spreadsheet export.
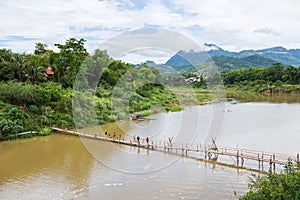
49	73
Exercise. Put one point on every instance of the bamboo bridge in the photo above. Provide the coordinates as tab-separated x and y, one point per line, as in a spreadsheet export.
204	151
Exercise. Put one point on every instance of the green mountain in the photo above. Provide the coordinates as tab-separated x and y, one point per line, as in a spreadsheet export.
222	63
278	54
187	58
263	57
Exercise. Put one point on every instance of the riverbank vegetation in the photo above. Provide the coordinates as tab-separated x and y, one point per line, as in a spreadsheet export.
36	90
274	79
285	185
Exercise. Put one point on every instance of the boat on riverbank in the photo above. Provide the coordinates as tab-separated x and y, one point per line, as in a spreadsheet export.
135	116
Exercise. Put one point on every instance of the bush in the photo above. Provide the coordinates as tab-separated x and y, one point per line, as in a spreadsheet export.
176	109
285	186
9	129
19	93
44	132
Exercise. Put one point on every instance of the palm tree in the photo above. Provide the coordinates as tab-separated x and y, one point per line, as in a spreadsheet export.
292	74
40	48
6	70
35	71
19	64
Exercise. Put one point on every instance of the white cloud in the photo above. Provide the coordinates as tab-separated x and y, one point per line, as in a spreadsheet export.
267	31
228	23
142	55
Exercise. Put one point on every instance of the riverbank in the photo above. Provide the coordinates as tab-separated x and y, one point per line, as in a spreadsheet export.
16	119
265	88
28	107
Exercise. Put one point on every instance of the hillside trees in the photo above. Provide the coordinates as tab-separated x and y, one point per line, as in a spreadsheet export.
275	73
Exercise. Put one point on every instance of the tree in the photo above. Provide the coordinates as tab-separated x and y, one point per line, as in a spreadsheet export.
91	70
68	61
274	73
283	186
40	48
6	69
35	70
291	75
19	64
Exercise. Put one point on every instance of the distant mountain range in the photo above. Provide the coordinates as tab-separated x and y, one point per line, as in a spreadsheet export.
183	61
232	60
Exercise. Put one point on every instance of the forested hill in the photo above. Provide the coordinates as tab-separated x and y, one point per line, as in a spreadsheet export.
181	62
224	63
278	54
226	60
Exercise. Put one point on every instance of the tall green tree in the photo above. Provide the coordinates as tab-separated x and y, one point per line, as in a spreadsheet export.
291	75
6	69
19	64
68	61
40	48
35	71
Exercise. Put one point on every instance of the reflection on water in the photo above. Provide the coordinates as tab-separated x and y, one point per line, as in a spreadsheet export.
263	126
271	98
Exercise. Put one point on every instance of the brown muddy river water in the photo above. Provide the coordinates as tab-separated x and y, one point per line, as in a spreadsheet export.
68	167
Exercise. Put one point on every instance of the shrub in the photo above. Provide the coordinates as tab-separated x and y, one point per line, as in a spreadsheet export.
44	132
176	109
285	185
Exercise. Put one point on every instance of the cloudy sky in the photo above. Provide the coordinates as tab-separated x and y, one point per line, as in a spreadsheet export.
230	24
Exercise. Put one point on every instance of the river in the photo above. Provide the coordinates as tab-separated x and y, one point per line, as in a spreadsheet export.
67	167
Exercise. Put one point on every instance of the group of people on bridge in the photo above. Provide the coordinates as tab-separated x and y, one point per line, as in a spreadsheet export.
136	139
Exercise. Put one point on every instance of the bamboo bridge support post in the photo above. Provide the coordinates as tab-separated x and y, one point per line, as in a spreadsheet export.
270	169
237	158
242	158
262	161
186	149
274	165
258	158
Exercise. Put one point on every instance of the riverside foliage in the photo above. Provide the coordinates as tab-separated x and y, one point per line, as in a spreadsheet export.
272	79
30	100
285	186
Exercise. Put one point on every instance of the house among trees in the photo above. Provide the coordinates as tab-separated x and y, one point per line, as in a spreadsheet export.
193	79
49	73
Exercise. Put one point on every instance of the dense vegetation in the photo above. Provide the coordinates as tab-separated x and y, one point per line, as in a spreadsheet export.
32	100
284	186
273	79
